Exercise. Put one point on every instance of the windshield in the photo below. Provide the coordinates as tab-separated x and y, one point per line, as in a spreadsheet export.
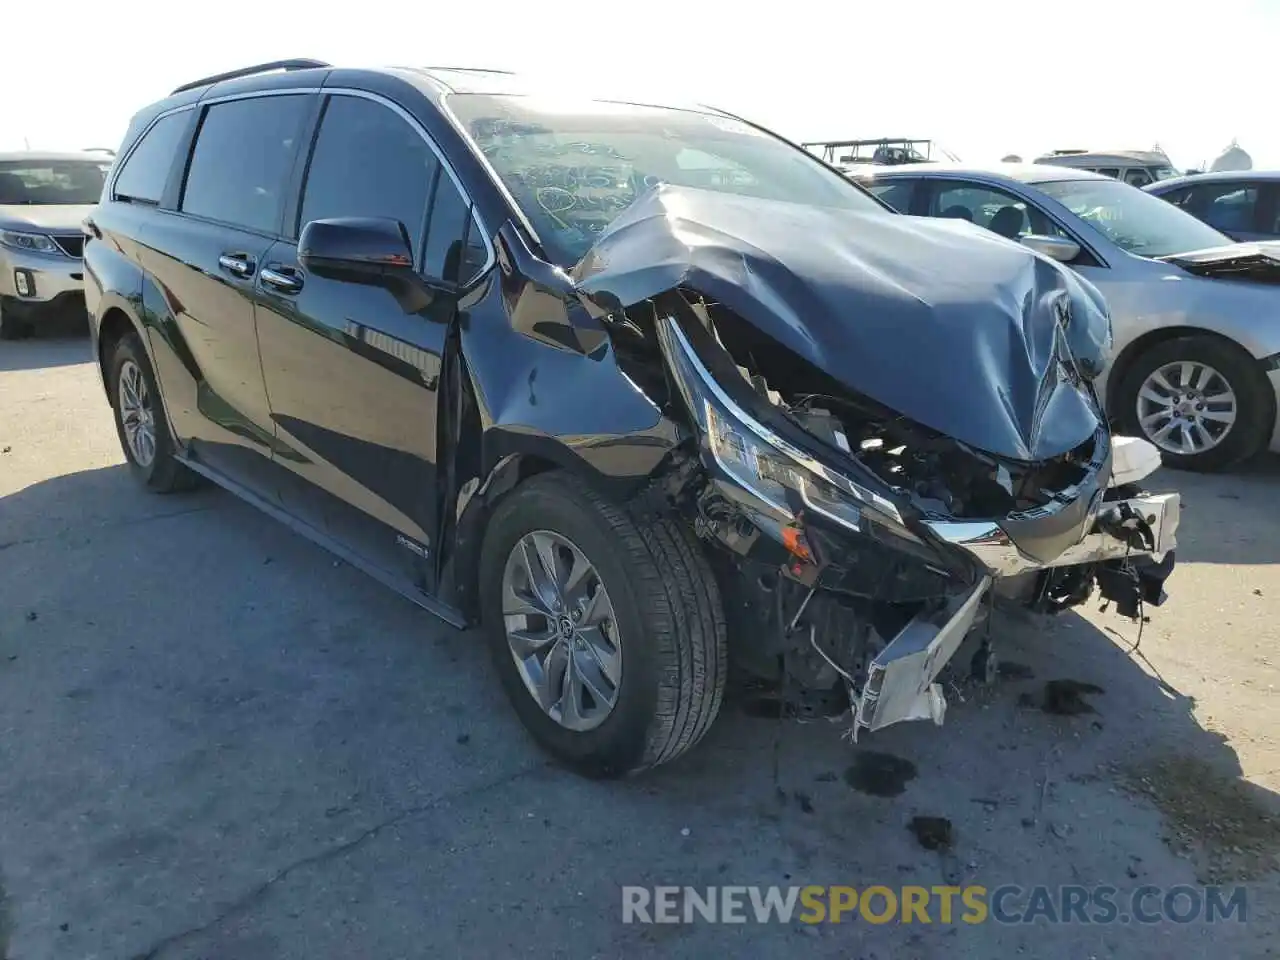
573	168
52	181
1134	220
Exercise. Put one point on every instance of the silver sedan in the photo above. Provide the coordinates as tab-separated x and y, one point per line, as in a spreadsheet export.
1196	317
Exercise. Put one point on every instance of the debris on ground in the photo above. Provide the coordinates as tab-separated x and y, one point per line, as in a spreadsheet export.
880	774
805	801
1066	698
32	616
1221	823
932	833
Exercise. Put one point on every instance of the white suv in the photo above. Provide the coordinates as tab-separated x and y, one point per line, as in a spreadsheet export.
44	197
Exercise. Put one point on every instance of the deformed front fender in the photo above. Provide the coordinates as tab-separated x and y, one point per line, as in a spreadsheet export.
532	383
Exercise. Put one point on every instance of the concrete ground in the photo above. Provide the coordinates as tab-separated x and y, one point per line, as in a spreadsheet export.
216	743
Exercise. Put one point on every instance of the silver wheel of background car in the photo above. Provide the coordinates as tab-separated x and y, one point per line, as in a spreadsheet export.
1186	407
561	630
136	414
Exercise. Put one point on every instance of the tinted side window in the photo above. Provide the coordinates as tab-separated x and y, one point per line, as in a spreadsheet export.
146	171
1179	197
241	161
1137	177
1108	171
896	193
1227	206
449	254
369	162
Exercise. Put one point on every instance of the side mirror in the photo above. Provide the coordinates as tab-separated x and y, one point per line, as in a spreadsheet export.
1056	248
368	250
347	248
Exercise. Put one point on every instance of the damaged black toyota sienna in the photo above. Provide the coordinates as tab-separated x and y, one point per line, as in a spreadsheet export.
638	390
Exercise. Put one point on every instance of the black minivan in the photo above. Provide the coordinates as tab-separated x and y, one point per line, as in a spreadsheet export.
634	388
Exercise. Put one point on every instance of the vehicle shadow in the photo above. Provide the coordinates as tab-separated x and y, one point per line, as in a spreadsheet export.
58	345
294	704
1227	517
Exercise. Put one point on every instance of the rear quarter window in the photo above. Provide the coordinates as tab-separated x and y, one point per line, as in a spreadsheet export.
146	169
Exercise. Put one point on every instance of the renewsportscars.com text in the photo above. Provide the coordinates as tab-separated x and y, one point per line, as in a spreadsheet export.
1007	904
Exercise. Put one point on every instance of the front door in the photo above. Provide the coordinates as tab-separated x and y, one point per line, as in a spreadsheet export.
352	377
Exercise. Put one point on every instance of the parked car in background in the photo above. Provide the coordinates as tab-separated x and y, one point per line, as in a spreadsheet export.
1135	167
885	150
1196	318
637	389
1245	205
43	200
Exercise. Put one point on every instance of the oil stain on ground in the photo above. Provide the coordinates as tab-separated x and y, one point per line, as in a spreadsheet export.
1222	822
879	774
1066	698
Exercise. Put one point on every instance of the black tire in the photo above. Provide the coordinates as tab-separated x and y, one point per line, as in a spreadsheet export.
667	606
164	474
1255	400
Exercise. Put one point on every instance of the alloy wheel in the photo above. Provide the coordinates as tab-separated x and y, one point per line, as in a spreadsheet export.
136	414
1186	407
561	630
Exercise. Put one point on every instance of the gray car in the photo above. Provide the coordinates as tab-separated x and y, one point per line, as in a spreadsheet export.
1196	317
44	197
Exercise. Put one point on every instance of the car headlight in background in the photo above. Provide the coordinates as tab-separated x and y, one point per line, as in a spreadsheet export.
784	479
34	242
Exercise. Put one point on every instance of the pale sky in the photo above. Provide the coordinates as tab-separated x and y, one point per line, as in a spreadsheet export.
984	78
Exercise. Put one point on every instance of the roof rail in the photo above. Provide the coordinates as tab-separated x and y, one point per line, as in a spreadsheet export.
509	73
298	64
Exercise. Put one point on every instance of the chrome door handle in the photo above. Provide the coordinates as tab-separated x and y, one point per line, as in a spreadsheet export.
237	264
283	282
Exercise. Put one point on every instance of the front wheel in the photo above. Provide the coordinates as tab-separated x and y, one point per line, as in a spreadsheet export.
1203	401
606	629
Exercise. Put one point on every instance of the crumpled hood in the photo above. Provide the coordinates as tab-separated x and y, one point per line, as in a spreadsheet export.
59	217
1254	261
942	322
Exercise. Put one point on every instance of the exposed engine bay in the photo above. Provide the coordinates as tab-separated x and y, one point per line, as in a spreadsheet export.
878	459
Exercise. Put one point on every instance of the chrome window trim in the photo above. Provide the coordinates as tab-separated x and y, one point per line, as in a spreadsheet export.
489	168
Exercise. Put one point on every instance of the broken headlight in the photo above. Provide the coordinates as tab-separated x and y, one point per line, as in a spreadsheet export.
783	478
768	473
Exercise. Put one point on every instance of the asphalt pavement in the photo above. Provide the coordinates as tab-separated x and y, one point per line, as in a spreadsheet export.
216	742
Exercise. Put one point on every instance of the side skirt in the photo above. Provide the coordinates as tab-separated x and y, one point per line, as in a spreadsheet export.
406	589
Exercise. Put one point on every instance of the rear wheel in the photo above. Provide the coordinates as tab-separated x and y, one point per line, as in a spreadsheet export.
606	629
1203	401
141	424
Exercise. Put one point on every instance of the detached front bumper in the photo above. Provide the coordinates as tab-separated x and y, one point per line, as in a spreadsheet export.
900	683
1001	556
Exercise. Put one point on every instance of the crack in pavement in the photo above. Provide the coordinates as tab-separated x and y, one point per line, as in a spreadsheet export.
110	524
6	922
329	853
